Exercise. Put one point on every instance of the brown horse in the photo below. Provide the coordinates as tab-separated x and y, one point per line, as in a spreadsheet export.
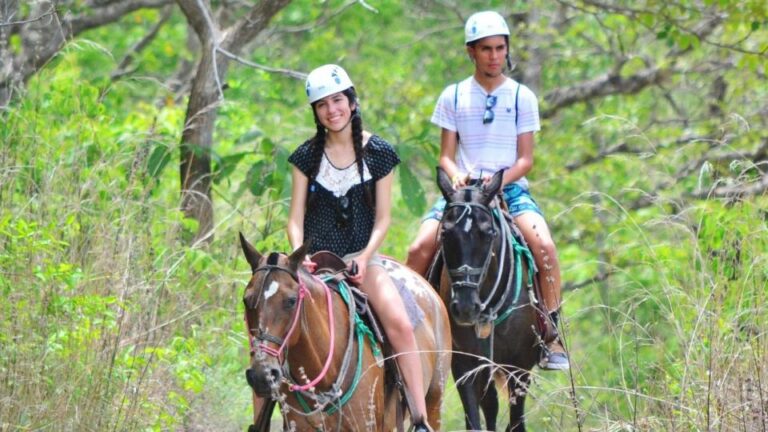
486	284
311	354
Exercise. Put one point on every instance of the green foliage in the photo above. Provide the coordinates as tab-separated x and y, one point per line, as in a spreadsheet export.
98	284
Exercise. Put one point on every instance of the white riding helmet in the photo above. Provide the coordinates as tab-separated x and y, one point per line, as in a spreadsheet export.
326	80
484	24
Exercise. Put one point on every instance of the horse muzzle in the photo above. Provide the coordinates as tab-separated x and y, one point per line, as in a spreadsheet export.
465	306
264	380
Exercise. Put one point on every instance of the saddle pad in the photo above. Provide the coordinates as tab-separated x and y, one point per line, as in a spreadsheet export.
400	279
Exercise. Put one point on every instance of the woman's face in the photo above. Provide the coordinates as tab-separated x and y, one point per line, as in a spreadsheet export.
334	111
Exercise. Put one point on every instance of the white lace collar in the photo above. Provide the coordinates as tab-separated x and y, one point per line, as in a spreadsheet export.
340	181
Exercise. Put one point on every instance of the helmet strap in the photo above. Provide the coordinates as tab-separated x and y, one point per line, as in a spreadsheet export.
510	65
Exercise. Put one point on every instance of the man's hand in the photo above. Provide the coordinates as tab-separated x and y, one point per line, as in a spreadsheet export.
459	181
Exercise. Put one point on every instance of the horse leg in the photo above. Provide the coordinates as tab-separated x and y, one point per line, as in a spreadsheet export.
470	388
434	401
517	391
490	406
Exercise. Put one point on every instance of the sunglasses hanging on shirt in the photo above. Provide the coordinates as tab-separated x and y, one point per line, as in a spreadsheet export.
342	211
490	102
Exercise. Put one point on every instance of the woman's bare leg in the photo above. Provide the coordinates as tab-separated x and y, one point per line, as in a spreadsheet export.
390	309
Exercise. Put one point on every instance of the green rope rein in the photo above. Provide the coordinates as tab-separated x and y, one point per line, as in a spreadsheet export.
519	250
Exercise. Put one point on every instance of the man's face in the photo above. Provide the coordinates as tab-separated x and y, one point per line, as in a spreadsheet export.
490	55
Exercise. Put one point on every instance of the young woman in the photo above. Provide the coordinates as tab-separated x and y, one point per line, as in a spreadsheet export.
341	199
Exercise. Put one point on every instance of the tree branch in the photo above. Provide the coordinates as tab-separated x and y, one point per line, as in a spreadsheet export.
599	277
254	23
287	72
18	24
608	84
198	16
41	41
140	45
109	14
735	191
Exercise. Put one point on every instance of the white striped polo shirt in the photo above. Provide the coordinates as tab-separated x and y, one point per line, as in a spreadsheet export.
486	148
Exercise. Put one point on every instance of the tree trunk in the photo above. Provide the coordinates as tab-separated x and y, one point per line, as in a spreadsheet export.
197	138
196	143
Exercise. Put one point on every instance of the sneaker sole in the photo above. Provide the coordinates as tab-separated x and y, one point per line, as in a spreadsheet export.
554	366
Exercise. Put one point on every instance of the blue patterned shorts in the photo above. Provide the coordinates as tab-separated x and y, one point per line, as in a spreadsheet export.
518	199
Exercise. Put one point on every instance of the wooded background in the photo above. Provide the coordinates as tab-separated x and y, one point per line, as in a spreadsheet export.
139	136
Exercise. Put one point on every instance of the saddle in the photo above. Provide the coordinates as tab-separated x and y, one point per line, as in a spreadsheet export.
328	263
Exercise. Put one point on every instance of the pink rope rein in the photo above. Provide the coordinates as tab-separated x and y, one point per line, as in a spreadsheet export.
278	353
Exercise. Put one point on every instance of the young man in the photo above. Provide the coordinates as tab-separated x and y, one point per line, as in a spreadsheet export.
488	121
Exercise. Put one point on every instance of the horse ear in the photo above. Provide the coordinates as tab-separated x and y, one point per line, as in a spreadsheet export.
445	184
251	255
297	256
493	187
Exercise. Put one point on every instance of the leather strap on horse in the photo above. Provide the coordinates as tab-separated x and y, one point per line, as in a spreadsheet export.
406	400
264	418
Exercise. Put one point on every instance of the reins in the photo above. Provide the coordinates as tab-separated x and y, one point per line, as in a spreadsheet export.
334	397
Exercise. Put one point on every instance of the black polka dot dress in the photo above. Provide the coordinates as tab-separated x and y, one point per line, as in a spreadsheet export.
338	217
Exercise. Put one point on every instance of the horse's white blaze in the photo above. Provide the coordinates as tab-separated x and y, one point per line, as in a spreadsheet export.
271	290
468	225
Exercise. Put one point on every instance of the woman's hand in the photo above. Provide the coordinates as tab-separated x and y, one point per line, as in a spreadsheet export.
310	265
361	262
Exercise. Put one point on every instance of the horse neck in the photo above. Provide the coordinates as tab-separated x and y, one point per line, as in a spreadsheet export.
311	350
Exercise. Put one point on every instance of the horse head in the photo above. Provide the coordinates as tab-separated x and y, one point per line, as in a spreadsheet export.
470	235
273	300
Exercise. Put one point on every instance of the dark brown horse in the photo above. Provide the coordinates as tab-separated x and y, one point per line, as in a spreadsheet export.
312	355
485	282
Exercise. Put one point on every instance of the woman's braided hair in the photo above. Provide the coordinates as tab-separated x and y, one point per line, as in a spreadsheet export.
317	143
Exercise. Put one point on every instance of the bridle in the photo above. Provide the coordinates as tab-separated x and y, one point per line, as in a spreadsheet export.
263	338
331	400
463	276
473	277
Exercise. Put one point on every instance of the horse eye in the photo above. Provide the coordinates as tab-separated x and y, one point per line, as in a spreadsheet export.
289	303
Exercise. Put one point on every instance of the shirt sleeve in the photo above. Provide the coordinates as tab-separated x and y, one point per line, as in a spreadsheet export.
528	118
381	157
445	110
301	158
